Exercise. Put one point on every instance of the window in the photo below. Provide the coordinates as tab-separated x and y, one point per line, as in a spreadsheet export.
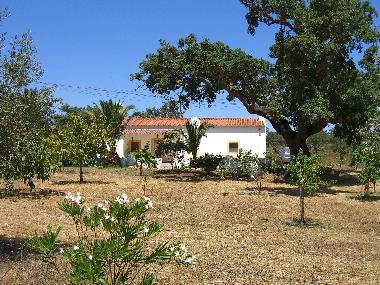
233	147
134	145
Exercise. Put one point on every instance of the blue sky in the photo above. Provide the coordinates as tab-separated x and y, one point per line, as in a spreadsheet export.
98	44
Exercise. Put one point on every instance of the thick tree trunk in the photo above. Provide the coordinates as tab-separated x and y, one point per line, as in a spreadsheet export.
302	206
81	180
113	157
296	146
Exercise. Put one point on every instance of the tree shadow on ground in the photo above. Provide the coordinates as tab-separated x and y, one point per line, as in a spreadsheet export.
66	182
341	177
177	175
13	249
292	191
31	194
366	198
16	249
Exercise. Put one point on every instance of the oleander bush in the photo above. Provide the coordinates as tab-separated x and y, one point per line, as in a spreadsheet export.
114	242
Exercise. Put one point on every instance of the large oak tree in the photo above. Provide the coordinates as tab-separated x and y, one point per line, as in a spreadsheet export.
312	80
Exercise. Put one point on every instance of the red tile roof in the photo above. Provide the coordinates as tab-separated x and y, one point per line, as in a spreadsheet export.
180	122
144	131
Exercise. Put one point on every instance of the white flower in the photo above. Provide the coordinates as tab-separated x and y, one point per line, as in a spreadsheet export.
61	250
180	254
68	196
190	259
149	205
183	247
106	217
90	257
146	230
101	206
195	121
76	199
123	199
113	219
75	247
88	210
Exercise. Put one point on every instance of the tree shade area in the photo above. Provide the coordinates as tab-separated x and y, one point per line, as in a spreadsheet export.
313	80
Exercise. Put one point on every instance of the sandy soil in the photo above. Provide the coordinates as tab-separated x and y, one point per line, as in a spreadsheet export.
239	236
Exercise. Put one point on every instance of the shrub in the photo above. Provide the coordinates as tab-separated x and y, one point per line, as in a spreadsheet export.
244	165
209	162
272	164
223	171
114	242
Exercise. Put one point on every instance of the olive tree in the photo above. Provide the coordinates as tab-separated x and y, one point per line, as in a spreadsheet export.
25	113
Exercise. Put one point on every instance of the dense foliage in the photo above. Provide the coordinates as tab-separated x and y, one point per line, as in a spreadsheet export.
79	140
367	154
209	162
311	81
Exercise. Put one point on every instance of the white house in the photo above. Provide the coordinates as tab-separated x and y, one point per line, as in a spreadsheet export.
226	136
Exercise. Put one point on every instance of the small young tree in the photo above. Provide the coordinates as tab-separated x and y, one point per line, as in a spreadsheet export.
145	157
305	172
113	244
340	147
172	146
195	132
79	140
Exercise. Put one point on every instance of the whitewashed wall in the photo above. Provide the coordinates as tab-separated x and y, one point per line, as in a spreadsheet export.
216	142
249	138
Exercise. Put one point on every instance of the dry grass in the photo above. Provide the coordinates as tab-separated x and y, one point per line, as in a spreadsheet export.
238	235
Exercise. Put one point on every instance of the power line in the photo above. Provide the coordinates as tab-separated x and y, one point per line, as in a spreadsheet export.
130	96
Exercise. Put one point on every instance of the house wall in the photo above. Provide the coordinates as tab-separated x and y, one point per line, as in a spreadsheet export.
123	143
249	138
216	142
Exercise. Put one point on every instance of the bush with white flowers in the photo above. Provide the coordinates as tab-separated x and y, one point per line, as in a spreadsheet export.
114	242
244	165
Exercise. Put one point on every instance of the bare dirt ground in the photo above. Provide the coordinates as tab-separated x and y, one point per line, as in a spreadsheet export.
239	236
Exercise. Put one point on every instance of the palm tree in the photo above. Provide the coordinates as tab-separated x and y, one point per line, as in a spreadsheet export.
195	132
112	114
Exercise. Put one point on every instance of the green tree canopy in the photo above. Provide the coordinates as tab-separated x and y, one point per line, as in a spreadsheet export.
170	109
367	153
79	140
311	81
25	113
